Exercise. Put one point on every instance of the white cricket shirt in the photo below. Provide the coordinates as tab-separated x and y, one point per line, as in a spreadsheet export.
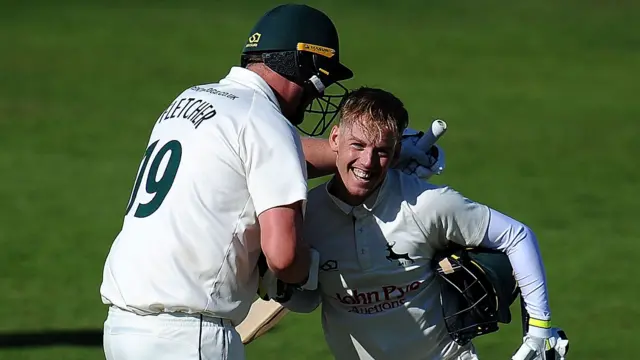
380	298
217	157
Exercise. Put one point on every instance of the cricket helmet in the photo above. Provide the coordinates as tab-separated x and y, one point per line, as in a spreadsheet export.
477	287
301	44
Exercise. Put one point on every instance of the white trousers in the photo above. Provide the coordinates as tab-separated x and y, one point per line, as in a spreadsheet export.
128	336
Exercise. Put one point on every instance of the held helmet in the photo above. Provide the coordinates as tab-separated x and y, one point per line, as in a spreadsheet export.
477	288
301	44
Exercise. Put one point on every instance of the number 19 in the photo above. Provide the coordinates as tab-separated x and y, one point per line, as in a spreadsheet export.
160	187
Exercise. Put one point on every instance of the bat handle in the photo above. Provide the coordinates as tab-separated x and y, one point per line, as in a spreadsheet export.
524	353
436	130
524	314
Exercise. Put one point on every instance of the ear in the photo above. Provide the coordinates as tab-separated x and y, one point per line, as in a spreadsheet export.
334	138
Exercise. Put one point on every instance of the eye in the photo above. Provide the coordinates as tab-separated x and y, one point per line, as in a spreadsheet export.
383	153
357	146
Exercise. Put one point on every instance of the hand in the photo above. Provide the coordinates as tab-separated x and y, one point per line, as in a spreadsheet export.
543	344
269	286
414	160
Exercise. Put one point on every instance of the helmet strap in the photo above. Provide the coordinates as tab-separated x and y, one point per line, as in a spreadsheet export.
317	83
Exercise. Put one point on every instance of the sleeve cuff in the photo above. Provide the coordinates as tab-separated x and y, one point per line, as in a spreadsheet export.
545	324
539	328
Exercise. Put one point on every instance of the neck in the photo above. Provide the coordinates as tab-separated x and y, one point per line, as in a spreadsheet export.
286	91
339	190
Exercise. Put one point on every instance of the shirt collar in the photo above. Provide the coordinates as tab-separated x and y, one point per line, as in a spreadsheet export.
368	205
245	77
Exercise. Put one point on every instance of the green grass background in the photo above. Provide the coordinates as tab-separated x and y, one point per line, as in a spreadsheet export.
541	98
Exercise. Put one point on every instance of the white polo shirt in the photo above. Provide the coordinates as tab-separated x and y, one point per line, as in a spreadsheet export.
218	156
379	296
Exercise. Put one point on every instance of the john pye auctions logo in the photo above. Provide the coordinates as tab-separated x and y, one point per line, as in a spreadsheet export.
385	298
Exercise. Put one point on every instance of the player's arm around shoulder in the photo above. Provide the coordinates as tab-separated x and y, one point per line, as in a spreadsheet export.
321	160
271	152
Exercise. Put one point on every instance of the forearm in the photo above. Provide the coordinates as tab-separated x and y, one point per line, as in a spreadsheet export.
295	268
321	160
286	253
520	244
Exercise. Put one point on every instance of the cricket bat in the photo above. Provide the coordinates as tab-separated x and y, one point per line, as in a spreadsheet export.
262	316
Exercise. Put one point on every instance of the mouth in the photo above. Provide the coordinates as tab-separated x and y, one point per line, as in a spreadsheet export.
362	175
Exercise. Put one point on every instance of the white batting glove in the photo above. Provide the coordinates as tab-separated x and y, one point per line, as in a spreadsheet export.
543	344
562	343
414	160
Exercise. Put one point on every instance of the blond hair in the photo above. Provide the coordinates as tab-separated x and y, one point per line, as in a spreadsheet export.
376	111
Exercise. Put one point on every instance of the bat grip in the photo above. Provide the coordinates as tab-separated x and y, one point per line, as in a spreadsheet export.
524	353
426	141
524	315
431	136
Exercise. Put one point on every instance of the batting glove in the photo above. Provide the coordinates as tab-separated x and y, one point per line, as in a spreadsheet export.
270	287
543	344
414	160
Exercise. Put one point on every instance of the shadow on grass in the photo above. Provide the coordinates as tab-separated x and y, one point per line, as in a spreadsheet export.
84	337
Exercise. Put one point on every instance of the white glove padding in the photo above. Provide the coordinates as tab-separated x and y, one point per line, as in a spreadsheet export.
414	160
561	347
543	344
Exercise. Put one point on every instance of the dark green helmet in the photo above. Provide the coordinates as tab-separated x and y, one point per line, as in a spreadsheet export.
301	43
477	288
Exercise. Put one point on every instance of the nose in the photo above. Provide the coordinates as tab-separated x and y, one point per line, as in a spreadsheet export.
367	158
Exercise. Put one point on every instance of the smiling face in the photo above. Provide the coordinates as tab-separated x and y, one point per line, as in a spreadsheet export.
366	142
362	160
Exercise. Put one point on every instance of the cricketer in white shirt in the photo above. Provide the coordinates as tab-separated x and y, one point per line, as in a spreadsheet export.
376	236
215	160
